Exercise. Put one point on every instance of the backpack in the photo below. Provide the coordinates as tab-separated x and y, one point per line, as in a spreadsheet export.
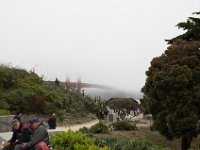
41	146
25	124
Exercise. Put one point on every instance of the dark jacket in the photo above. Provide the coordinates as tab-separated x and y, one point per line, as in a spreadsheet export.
52	122
40	134
23	134
17	117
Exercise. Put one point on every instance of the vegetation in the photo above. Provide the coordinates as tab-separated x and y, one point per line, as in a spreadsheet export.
172	91
192	27
26	92
76	140
112	142
125	144
101	109
123	125
84	130
73	141
4	112
4	107
118	139
100	127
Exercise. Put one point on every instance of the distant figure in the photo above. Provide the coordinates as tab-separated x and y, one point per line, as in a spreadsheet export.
83	93
18	116
52	121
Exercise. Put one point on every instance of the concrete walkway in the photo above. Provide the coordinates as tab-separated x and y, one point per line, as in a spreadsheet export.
77	126
7	135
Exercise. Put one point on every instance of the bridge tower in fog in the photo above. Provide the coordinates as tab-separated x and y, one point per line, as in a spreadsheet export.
78	85
75	85
67	83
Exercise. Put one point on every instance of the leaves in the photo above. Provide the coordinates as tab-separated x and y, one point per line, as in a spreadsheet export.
171	91
73	141
192	28
26	92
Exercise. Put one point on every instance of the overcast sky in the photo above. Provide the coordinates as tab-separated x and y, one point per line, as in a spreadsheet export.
108	42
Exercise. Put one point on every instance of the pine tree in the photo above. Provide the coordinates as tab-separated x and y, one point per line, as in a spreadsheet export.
192	28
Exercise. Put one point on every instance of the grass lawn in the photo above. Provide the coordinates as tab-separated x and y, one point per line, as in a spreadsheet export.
152	136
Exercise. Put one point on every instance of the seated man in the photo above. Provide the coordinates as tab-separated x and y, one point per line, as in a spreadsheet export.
21	133
39	139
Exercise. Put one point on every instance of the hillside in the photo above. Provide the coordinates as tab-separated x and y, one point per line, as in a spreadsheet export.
26	92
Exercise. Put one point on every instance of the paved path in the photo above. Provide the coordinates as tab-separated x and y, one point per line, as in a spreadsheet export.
7	135
78	126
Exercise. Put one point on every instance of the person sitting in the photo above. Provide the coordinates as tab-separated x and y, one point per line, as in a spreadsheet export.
52	121
39	139
21	133
18	116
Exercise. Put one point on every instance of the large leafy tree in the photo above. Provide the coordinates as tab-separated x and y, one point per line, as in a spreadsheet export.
172	91
192	28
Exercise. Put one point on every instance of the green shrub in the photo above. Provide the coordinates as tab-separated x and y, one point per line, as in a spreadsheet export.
60	115
112	142
141	145
93	147
4	112
125	144
123	125
99	128
137	145
84	130
73	141
70	140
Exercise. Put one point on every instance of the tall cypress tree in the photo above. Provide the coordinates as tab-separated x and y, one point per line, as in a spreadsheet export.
172	88
172	91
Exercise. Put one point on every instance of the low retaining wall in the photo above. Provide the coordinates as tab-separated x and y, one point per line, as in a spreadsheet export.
5	123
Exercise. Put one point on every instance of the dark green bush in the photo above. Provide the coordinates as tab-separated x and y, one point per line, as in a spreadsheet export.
141	145
123	125
100	127
112	142
137	145
84	130
125	144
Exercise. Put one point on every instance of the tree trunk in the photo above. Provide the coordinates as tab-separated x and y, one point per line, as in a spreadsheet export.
186	143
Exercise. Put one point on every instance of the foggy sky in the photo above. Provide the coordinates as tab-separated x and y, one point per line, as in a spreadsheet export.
108	42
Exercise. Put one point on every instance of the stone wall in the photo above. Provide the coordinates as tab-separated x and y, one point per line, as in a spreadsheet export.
5	122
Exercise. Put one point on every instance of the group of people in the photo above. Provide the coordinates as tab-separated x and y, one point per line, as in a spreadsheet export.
31	135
